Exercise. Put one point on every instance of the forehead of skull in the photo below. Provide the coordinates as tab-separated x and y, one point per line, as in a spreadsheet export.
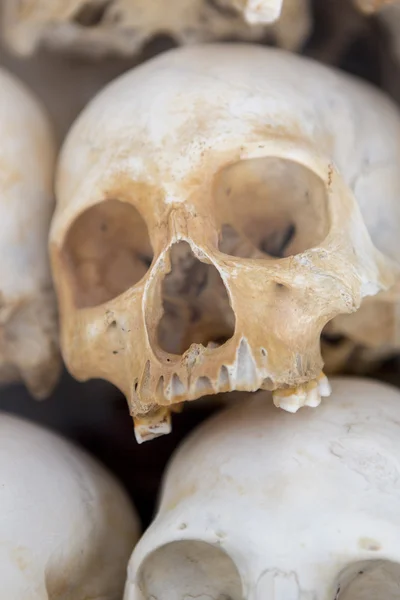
159	121
335	439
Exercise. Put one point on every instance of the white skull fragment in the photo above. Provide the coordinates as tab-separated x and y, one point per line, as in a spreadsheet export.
263	505
28	321
212	217
67	527
123	26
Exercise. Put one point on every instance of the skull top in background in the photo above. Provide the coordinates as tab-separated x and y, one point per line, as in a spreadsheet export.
98	27
28	319
213	215
372	6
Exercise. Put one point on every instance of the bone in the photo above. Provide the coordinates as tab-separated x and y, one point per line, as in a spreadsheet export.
292	399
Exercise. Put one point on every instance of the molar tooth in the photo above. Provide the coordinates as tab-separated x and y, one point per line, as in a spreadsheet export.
148	427
324	386
304	395
290	399
313	398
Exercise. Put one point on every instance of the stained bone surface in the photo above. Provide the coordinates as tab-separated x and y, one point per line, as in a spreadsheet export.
259	503
214	212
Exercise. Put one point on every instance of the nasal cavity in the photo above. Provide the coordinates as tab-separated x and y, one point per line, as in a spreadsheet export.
196	307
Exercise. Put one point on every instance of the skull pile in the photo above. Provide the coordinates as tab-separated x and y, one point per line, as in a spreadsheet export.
227	220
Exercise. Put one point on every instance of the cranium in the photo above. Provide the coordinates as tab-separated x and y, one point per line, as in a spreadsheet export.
263	505
28	324
389	16
211	219
67	528
362	341
372	6
123	26
388	12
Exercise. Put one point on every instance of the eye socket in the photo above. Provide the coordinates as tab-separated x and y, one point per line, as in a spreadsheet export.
91	14
189	569
369	579
107	250
270	207
333	340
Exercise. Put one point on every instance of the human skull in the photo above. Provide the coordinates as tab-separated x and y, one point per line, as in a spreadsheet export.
207	225
28	321
388	13
260	504
123	26
372	6
389	16
362	341
67	527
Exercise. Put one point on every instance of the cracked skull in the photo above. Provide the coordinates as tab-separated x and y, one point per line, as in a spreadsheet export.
212	216
314	517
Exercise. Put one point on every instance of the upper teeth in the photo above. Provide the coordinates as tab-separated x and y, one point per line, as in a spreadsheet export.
158	423
153	425
308	394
